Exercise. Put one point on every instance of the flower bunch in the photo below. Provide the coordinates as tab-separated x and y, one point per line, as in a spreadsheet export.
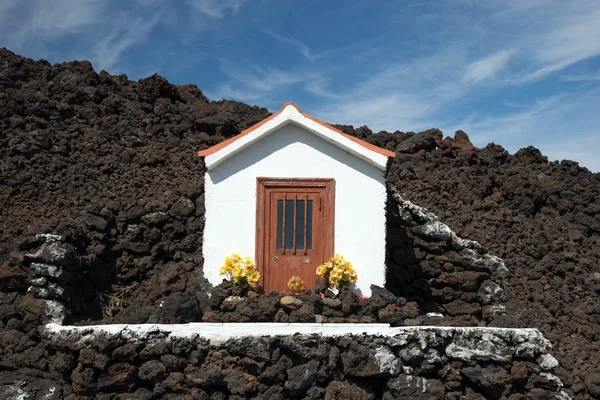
240	270
338	271
296	285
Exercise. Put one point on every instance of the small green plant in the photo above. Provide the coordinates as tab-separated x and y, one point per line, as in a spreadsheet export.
113	303
240	271
296	285
338	272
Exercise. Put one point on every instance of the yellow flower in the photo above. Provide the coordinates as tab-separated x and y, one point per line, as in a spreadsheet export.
296	285
338	271
240	270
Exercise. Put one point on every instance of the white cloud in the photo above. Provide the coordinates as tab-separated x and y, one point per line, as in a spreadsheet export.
99	33
251	82
510	126
217	8
537	40
403	95
582	77
99	30
572	38
378	112
23	22
263	79
561	126
319	87
551	35
302	48
125	33
487	67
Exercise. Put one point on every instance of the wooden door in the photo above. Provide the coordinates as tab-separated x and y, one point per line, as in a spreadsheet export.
297	230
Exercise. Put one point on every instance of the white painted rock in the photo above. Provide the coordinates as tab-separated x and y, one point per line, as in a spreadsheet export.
547	362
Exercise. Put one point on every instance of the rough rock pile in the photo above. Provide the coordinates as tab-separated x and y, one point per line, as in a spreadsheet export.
226	305
542	219
466	290
110	165
429	263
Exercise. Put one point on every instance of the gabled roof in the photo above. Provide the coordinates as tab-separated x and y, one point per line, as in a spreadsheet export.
290	113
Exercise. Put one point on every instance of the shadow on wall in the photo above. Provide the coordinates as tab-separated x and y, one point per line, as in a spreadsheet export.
90	294
404	274
54	278
430	264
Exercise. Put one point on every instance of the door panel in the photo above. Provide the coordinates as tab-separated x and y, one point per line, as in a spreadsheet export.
296	217
293	224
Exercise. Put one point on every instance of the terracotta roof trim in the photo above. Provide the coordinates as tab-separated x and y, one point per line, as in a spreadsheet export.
212	156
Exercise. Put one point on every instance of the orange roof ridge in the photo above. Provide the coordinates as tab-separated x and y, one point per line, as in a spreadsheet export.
369	146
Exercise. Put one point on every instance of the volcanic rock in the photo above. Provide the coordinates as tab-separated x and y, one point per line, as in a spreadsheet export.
302	377
290	302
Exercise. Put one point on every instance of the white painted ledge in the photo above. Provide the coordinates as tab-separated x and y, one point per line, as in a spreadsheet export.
221	332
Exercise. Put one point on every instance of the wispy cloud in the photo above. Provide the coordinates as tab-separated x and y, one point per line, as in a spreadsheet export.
302	48
125	33
487	67
263	79
532	40
562	126
250	82
320	87
573	38
99	30
22	22
393	110
551	35
217	8
509	126
99	33
582	77
401	95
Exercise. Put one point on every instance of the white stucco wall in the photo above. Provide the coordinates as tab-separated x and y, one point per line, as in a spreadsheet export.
293	152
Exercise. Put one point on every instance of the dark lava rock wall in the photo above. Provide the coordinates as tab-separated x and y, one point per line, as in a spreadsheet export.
110	165
429	363
542	219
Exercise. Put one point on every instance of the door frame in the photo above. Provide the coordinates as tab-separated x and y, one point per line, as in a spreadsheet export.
263	183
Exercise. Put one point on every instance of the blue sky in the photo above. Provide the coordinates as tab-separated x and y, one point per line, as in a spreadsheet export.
511	72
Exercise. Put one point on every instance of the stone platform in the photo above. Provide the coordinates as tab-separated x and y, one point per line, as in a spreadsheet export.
280	360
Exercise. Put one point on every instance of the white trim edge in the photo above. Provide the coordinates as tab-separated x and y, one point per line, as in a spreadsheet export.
221	332
290	114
